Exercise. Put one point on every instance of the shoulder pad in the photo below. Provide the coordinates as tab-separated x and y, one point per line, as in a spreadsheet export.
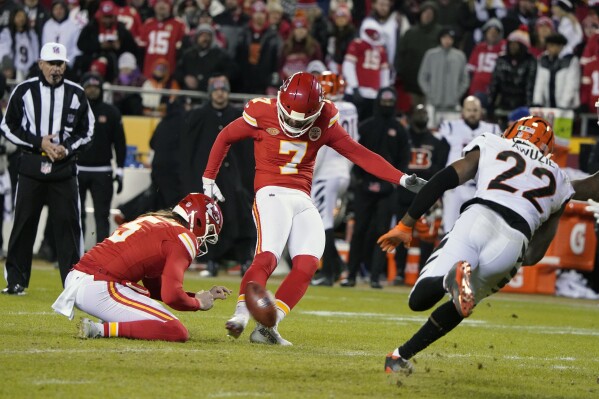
255	108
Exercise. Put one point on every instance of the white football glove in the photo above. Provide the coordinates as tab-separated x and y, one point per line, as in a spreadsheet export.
412	182
593	207
212	190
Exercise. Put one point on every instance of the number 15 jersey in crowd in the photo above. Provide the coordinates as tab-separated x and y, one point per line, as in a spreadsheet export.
289	162
515	174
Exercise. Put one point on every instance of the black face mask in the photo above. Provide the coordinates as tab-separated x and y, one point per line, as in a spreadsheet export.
420	124
387	110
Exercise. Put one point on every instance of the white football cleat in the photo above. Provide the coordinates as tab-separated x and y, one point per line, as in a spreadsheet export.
235	325
268	336
88	329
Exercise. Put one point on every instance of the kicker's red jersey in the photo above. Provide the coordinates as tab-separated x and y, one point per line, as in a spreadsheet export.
289	162
151	249
161	39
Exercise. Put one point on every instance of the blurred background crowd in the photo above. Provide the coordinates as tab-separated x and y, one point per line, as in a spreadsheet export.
509	53
482	62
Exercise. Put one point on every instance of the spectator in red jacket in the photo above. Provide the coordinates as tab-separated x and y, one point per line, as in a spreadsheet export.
483	58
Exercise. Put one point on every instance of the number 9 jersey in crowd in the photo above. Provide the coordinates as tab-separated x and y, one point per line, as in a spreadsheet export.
516	175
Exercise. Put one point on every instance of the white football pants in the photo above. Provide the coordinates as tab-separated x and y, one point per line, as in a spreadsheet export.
485	240
287	216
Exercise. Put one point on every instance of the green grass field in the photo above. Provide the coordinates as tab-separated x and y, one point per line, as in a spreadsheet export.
513	346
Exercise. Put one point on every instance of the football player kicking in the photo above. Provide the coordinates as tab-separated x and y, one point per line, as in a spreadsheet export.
288	132
519	192
155	249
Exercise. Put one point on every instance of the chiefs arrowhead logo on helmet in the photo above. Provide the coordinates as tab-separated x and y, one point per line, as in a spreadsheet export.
204	217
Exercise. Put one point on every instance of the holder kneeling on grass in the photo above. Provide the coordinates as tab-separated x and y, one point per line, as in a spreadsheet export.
154	249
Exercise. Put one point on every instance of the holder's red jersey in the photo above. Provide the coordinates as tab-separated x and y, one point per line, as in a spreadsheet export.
289	162
152	249
161	39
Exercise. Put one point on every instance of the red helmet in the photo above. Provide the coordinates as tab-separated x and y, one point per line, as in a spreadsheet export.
204	217
299	104
533	129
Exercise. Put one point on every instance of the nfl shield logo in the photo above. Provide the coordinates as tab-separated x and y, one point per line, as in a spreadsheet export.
70	118
46	168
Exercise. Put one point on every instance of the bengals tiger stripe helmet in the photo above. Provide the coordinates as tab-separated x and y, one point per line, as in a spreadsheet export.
332	85
533	129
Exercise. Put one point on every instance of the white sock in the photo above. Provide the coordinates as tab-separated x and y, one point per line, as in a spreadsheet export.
241	309
396	352
282	310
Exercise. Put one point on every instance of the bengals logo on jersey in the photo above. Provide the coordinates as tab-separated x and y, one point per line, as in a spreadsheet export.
422	158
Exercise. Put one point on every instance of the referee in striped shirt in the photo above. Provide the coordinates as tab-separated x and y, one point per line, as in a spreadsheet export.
50	119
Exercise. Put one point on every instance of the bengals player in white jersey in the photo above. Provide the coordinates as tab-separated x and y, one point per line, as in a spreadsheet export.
520	196
154	249
331	176
288	132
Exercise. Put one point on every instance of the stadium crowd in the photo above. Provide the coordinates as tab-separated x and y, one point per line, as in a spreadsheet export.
508	53
502	55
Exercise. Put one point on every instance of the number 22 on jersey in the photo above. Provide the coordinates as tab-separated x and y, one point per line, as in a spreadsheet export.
519	168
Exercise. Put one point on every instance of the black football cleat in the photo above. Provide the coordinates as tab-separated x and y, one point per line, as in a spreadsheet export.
397	364
14	289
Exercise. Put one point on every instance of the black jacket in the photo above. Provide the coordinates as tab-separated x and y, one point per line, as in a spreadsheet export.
513	81
203	64
388	138
256	78
203	126
108	133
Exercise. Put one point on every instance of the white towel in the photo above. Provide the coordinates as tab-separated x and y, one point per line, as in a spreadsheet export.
65	303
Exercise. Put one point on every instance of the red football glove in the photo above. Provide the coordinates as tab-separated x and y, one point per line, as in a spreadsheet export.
397	235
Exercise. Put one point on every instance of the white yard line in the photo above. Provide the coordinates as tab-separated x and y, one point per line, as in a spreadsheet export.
473	323
55	381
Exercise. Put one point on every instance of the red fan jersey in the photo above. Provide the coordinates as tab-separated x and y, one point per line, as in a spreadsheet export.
152	249
591	49
481	64
370	62
131	19
289	162
589	84
161	39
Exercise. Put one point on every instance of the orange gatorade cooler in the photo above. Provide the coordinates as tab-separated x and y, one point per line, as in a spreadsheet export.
573	247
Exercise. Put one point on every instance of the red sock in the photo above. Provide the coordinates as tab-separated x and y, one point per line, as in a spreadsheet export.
260	270
172	330
297	281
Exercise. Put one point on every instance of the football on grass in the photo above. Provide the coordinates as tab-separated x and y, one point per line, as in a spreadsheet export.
260	304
